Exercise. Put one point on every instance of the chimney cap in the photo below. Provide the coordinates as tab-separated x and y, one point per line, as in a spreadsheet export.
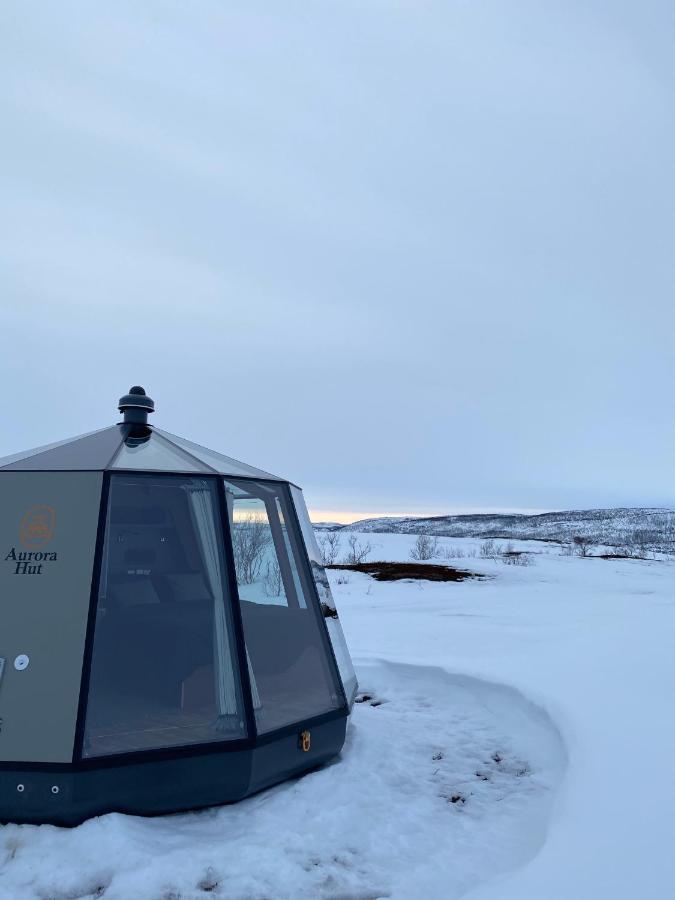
136	405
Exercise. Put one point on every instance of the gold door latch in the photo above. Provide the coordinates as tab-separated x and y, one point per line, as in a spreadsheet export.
305	741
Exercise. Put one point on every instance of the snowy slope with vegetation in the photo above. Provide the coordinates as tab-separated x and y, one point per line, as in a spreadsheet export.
653	527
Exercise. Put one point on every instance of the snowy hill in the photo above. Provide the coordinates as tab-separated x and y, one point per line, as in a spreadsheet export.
654	527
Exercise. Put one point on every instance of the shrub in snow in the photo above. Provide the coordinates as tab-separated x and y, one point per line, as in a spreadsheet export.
516	558
273	583
357	552
582	544
454	553
329	547
512	557
425	547
490	550
250	538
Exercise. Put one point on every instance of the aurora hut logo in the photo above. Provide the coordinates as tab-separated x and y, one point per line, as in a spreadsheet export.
37	526
36	529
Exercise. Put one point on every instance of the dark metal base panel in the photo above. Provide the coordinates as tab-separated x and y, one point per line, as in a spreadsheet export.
68	796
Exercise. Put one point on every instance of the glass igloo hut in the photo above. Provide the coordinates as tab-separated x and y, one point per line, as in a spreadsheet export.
168	638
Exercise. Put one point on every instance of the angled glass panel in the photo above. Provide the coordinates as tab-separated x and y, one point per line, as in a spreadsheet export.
27	454
163	670
87	453
328	607
218	461
148	450
293	676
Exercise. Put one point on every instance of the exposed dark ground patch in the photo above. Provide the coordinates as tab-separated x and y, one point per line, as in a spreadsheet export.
369	699
404	571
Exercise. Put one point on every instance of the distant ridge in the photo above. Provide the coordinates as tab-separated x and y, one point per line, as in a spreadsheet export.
653	526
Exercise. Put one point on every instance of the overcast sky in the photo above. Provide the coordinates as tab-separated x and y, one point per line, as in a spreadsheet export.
416	256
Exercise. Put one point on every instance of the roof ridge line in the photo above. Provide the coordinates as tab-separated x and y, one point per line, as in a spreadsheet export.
181	450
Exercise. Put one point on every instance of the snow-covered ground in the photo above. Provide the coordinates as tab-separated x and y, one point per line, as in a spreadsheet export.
538	700
590	642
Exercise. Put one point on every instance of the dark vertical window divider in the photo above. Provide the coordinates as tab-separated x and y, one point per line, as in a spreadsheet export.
91	619
308	578
237	621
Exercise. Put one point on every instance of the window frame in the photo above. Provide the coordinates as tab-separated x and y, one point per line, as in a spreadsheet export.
307	579
253	738
298	549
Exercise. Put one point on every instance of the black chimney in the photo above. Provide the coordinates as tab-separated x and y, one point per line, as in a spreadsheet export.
136	405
